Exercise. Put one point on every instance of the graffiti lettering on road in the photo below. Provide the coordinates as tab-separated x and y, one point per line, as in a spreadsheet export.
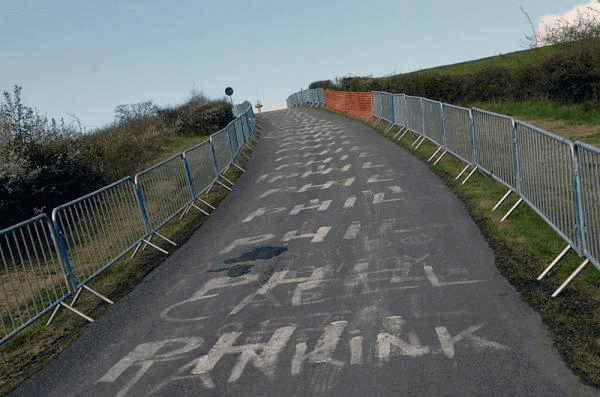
336	347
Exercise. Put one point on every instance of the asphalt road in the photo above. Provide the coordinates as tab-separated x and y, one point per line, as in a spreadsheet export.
338	266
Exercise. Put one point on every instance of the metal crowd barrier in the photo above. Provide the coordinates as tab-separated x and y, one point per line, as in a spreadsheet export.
376	104
97	230
546	170
239	131
314	97
201	172
235	146
414	110
588	161
559	180
222	150
458	134
45	262
494	151
433	125
33	279
587	158
387	107
163	191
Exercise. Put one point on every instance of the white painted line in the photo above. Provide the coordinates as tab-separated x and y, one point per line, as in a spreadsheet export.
380	198
352	231
323	349
350	202
431	276
314	205
277	190
312	162
370	165
263	211
375	179
317	237
447	342
288	176
320	171
356	350
327	185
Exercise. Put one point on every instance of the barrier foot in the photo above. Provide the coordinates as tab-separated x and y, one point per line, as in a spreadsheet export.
189	207
238	167
99	295
439	158
554	262
376	122
514	207
207	204
433	155
388	129
469	176
571	278
420	143
147	242
462	172
227	180
502	200
399	131
226	187
166	239
71	308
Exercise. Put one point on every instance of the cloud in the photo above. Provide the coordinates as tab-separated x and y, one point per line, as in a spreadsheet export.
547	23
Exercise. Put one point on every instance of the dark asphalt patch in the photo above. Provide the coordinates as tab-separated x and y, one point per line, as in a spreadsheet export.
267	252
259	253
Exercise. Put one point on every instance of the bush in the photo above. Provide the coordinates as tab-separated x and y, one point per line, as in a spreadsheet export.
568	77
44	164
40	176
197	118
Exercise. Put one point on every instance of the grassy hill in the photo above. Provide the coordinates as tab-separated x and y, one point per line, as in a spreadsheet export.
516	61
555	87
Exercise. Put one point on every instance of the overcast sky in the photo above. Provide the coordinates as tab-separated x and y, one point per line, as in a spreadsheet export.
86	57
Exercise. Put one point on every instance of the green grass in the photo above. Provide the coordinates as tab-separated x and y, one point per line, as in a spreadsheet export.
512	61
536	109
180	143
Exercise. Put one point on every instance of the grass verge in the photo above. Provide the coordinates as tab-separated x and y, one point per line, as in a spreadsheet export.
38	345
524	245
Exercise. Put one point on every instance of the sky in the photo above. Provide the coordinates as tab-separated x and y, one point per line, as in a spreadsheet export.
84	58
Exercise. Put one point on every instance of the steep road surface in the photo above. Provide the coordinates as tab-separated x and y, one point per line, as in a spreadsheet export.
338	266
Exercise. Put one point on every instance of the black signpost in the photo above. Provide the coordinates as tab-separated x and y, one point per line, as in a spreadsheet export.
229	93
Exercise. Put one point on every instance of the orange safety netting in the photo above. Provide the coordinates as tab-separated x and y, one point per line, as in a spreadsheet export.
354	103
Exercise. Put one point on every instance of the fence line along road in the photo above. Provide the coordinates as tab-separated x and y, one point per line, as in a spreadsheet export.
558	179
32	278
45	262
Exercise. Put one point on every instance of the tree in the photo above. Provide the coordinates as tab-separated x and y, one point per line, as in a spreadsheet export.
17	118
137	111
584	26
531	40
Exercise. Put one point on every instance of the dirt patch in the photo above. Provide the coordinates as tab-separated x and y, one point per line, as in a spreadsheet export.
585	133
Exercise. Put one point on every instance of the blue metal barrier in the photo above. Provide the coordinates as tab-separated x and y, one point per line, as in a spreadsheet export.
33	279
